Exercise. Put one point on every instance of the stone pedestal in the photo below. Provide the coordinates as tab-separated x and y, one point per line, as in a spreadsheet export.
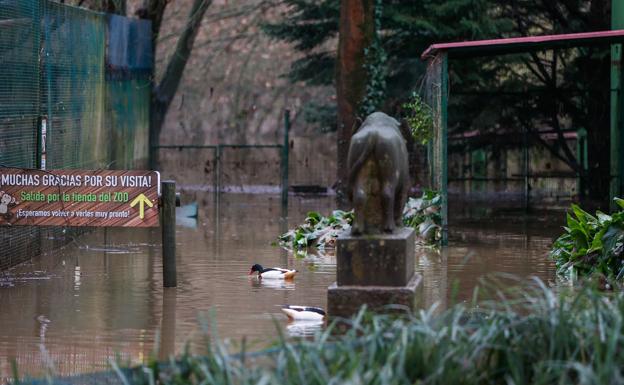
375	260
345	301
376	270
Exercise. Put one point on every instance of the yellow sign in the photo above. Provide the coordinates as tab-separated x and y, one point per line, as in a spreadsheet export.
142	200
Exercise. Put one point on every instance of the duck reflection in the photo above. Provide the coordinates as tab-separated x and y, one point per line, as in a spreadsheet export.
273	284
305	328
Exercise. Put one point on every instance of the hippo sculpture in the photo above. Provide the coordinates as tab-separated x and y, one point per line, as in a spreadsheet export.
378	175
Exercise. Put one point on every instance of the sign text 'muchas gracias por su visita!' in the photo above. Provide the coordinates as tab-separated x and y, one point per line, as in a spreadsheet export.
76	180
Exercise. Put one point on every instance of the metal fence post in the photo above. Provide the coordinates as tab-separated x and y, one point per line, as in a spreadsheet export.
439	145
218	178
285	149
526	168
617	103
168	233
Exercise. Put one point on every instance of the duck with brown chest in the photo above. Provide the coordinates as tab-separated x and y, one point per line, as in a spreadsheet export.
272	272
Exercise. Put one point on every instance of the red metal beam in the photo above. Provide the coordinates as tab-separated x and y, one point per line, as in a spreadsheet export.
524	44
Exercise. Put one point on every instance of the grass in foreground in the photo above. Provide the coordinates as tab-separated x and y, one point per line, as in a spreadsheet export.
531	337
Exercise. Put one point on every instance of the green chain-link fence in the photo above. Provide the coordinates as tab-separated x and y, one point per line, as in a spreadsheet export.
70	67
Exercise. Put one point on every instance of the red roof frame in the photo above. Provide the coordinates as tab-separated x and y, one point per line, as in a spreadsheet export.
523	44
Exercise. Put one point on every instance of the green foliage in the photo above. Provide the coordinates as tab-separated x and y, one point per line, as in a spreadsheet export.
404	30
309	25
317	231
322	115
533	337
591	245
376	68
423	214
419	119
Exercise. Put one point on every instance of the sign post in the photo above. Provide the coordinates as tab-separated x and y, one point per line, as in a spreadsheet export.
168	234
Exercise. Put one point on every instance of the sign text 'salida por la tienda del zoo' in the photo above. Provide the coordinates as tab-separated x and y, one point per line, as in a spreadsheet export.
79	197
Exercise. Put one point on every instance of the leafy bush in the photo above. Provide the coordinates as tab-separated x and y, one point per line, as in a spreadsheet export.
317	230
423	214
591	245
419	119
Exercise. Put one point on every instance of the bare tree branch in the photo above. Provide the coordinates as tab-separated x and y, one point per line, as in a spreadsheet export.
173	74
163	94
153	10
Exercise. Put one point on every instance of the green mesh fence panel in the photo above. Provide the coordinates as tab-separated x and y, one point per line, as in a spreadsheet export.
19	110
53	59
128	78
19	80
74	42
127	119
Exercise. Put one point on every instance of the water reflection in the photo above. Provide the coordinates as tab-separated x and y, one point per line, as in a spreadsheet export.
103	294
168	324
479	251
304	328
110	250
190	223
322	259
277	284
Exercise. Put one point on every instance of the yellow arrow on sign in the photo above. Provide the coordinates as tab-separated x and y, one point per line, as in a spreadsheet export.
142	200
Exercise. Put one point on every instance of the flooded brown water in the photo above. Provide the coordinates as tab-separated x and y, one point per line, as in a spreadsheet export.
101	297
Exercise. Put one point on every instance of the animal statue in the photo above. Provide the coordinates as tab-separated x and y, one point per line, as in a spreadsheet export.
378	175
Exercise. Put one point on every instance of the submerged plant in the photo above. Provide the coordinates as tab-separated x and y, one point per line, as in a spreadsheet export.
423	214
318	231
591	245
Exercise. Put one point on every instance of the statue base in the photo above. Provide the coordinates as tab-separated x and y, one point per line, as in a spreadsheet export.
374	270
377	260
346	301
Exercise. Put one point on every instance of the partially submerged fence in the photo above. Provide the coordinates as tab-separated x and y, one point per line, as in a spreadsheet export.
220	179
85	77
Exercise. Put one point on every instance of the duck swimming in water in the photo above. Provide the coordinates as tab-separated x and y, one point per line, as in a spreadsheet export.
272	272
300	313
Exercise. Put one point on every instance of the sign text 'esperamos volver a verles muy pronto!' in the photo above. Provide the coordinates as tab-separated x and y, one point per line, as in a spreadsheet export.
79	197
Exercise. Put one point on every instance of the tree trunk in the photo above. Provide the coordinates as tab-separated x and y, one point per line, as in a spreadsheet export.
596	73
163	94
115	6
153	10
598	135
356	33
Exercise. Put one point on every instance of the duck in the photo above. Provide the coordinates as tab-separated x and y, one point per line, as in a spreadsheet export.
273	272
303	313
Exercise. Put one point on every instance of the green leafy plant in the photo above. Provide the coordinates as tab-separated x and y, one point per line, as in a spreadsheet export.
318	231
376	67
419	118
423	214
591	244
